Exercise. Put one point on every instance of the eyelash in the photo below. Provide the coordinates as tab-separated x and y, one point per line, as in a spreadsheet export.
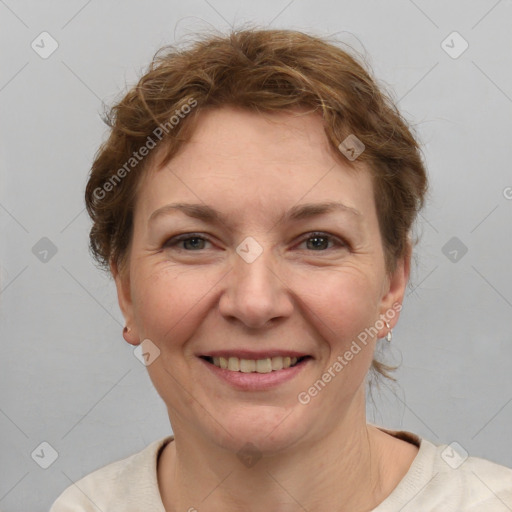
174	241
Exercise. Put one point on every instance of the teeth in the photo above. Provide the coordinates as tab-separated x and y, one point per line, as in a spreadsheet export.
254	365
234	364
264	365
277	363
247	365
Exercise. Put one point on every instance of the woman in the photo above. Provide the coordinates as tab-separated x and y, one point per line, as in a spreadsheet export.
254	203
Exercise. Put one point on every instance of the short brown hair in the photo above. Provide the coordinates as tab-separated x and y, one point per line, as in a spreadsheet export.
265	71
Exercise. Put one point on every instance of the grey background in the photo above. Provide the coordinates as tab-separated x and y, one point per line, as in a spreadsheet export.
67	376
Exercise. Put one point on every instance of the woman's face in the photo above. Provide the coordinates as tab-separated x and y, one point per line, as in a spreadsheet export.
258	277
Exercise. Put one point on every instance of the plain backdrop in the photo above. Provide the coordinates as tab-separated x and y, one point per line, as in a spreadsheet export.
69	380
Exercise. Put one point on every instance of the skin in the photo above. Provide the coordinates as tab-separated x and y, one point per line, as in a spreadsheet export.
198	296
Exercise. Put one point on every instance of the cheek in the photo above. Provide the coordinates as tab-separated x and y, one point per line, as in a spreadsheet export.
341	317
168	301
347	304
171	304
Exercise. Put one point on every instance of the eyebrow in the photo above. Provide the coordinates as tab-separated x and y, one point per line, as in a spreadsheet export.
210	215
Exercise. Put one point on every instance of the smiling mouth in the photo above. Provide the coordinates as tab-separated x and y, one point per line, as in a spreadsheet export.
266	365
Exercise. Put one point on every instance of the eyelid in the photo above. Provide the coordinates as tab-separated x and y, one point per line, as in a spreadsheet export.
175	240
322	234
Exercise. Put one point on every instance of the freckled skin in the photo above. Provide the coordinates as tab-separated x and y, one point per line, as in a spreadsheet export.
188	300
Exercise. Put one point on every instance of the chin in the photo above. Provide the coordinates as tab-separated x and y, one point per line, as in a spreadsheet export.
269	429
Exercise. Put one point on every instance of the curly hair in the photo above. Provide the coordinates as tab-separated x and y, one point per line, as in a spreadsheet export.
264	71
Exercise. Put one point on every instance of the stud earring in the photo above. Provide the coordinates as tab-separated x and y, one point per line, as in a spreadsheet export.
389	335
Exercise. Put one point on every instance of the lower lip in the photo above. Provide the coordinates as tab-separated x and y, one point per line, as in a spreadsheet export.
256	381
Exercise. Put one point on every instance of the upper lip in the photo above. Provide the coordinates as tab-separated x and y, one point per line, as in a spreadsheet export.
252	354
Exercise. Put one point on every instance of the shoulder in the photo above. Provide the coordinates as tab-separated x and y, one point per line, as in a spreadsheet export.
444	477
131	481
477	484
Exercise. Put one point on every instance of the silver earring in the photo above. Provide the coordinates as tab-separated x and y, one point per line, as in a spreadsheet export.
389	335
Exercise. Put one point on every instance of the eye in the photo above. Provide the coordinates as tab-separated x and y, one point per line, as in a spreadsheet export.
320	240
193	242
196	242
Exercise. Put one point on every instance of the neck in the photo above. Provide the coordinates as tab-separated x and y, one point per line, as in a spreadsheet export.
340	470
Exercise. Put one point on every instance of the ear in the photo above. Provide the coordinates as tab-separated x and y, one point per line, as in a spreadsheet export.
394	291
122	280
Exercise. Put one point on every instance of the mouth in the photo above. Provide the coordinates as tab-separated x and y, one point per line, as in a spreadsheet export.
251	371
259	365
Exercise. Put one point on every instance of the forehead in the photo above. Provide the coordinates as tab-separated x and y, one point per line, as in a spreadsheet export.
257	162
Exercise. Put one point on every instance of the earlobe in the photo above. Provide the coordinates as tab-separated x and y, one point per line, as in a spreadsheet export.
128	336
122	281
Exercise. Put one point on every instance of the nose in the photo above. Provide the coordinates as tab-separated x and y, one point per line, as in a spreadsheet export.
255	293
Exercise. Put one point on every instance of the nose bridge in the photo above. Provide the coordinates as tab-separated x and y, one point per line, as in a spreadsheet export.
254	266
255	292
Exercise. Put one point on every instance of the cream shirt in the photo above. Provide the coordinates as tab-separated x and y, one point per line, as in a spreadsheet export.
439	480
